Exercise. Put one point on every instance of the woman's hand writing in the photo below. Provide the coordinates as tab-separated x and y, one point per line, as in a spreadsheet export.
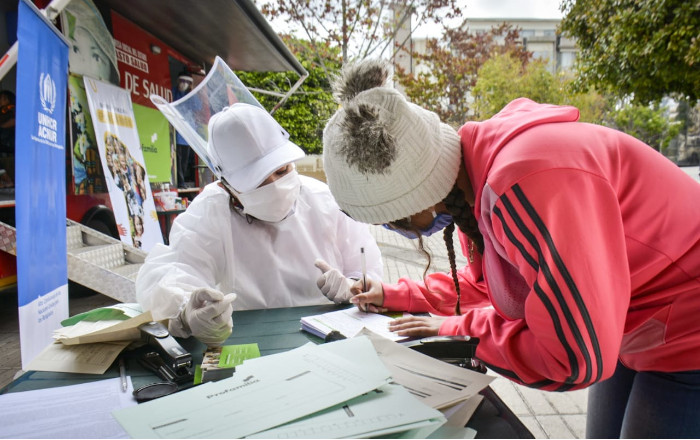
369	299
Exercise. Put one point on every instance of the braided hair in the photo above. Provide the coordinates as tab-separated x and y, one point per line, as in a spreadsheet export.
449	244
462	215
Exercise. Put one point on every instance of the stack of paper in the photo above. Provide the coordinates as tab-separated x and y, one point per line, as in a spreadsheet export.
331	390
434	382
90	342
109	330
384	411
349	322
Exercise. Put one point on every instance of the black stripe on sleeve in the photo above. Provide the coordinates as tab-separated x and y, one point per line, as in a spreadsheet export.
559	330
543	298
567	276
544	268
514	240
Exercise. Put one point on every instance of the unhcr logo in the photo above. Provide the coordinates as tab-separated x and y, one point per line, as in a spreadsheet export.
47	92
47	129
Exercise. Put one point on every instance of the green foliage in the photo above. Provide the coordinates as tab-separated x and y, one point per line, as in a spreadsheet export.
305	113
503	78
648	123
642	48
448	70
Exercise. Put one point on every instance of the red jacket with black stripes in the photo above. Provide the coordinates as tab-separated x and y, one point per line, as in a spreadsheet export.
592	253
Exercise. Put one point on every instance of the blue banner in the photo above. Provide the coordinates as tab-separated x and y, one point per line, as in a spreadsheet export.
40	181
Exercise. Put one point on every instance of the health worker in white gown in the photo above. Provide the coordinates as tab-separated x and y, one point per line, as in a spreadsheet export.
262	235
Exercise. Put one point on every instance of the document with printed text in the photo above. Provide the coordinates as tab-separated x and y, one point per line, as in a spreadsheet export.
278	389
74	411
349	322
434	382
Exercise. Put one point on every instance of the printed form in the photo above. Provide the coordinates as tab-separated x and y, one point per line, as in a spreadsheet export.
278	389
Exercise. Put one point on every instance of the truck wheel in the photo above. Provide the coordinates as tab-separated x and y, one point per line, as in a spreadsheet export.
101	219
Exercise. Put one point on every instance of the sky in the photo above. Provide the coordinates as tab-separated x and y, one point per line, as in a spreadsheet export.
513	9
504	9
484	9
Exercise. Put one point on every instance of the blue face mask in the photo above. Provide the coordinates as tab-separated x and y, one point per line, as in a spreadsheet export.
439	222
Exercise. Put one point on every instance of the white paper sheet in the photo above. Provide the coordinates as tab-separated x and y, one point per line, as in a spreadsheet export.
349	322
389	410
74	411
437	383
280	388
86	332
458	415
85	358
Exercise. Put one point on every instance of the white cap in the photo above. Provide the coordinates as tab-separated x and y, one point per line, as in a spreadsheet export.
246	145
184	77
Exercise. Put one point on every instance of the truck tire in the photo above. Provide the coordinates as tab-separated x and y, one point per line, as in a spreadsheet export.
101	219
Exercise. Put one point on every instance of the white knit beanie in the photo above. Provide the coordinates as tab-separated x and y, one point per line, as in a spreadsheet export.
385	158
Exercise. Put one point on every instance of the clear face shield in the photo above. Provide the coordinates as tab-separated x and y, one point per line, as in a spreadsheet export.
190	114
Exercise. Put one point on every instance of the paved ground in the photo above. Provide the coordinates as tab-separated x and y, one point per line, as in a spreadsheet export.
546	414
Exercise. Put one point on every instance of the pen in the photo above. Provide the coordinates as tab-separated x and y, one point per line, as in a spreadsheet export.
364	269
122	373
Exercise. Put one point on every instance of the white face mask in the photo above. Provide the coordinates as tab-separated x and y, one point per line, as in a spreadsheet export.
274	201
182	86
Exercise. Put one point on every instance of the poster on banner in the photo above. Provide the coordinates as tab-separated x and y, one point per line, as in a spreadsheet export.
144	71
92	48
122	159
87	170
154	132
40	189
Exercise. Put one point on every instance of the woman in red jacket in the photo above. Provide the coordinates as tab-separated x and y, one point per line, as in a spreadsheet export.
583	247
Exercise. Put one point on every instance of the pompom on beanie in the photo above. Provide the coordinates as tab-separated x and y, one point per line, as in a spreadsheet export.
385	158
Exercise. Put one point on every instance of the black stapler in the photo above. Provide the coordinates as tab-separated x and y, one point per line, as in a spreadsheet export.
457	350
169	360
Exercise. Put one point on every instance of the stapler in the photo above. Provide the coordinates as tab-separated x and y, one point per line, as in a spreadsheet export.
457	350
169	360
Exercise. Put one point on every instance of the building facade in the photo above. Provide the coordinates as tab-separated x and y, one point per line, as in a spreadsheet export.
539	36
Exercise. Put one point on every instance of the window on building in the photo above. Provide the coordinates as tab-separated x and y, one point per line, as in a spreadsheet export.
566	60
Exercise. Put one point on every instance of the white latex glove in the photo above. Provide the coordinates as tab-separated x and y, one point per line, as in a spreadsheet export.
207	316
333	284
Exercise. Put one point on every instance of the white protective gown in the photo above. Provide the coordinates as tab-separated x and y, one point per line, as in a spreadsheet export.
268	265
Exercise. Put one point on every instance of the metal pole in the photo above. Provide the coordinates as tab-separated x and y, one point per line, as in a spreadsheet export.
290	92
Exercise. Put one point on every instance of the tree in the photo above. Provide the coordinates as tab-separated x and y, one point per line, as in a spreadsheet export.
503	78
447	71
306	112
642	48
358	28
649	123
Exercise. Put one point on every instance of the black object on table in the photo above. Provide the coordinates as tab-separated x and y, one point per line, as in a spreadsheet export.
275	331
